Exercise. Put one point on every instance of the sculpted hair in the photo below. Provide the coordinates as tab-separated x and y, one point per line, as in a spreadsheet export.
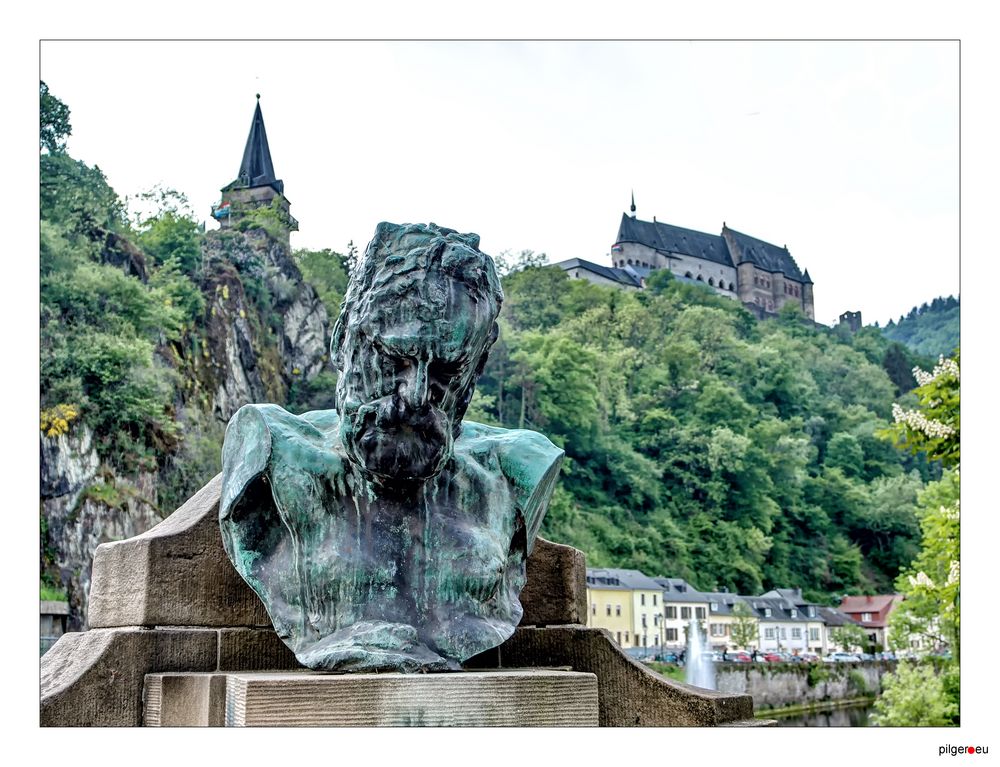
395	264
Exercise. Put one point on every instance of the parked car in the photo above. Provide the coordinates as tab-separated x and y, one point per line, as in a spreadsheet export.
808	657
866	656
740	657
841	657
771	657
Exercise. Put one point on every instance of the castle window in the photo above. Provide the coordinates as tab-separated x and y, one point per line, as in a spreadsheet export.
700	278
711	281
630	262
688	275
731	286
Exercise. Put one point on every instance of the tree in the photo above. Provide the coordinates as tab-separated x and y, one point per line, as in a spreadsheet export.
850	636
744	629
54	124
931	585
914	695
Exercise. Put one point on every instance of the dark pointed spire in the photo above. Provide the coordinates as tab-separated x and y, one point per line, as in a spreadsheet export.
633	204
806	278
256	168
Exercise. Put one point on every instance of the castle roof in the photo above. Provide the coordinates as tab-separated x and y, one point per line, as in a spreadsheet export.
631	276
674	239
761	254
256	168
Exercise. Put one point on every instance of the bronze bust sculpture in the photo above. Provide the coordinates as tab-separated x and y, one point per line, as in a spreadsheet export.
387	534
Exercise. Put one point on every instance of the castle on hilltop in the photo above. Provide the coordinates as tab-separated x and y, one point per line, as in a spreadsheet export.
255	186
763	276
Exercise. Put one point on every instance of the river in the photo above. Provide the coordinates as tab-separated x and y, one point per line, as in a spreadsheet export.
842	716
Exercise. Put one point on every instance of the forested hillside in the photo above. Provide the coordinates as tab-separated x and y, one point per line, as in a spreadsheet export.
701	442
705	444
929	329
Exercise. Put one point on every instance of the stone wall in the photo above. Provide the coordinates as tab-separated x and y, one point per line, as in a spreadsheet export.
779	685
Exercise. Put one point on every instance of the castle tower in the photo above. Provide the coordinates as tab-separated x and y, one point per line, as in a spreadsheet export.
256	187
807	296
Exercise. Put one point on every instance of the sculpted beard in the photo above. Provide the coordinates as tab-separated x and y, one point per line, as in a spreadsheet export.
394	441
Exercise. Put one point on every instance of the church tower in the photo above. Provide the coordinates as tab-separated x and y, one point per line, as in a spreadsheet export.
256	187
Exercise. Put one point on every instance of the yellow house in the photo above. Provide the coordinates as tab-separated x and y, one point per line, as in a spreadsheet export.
628	604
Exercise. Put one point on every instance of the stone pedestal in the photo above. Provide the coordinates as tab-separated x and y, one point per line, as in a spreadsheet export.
169	604
510	698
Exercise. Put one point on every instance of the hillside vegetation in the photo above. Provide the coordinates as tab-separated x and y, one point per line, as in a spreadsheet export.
705	444
929	329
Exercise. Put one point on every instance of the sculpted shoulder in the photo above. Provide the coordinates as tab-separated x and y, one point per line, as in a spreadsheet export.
257	435
528	460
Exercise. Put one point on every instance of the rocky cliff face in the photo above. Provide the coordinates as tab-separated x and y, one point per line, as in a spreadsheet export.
263	329
84	504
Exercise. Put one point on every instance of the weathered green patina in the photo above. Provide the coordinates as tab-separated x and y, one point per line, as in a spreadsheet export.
388	535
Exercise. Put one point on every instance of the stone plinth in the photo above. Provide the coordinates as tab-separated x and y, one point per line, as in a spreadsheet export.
509	698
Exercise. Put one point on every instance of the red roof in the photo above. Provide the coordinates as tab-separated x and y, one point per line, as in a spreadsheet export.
879	605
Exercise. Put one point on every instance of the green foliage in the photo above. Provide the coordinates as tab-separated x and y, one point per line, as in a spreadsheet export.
48	593
744	629
934	428
327	271
702	443
915	696
930	329
850	637
856	682
818	673
54	124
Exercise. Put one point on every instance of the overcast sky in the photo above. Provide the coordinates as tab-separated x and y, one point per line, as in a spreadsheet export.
846	152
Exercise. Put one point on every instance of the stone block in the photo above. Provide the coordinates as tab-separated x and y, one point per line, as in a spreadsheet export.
556	590
95	678
515	698
629	694
176	574
185	700
242	649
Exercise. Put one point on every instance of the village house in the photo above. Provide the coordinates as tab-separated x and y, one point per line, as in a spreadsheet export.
813	635
681	604
872	612
628	604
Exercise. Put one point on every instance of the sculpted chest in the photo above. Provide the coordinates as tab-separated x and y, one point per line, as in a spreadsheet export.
355	580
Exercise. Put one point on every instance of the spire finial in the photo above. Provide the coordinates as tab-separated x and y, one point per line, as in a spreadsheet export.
633	204
258	97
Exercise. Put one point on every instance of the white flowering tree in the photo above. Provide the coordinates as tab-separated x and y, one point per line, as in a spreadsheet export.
931	584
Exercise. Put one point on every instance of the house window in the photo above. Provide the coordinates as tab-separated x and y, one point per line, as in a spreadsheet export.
714	607
784	634
609	609
767	612
619	637
643	640
699	613
654	600
593	608
769	633
671	635
796	633
618	612
866	616
685	613
642	599
813	635
656	620
716	629
794	612
626	636
671	611
644	620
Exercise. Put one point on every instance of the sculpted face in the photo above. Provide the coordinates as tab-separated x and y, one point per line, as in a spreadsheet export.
410	354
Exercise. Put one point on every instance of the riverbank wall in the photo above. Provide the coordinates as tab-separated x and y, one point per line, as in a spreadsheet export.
778	685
